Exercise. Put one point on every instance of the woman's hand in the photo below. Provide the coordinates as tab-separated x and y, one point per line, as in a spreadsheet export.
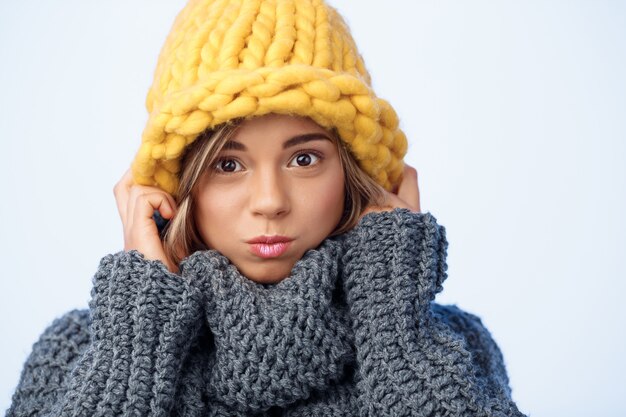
407	196
136	204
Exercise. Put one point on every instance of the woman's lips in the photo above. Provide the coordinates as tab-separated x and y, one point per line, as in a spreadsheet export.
269	246
269	250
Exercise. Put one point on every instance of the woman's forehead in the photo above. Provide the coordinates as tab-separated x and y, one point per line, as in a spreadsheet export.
283	130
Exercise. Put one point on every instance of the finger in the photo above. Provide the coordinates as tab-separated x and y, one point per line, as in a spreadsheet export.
394	201
408	190
167	211
121	192
135	193
173	204
147	203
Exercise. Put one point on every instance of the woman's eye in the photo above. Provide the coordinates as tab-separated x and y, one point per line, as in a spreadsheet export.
227	165
306	159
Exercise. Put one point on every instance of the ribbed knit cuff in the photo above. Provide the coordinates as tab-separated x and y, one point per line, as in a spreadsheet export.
410	362
393	263
143	319
395	258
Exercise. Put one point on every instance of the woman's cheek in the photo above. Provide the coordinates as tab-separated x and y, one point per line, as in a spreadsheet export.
324	199
218	213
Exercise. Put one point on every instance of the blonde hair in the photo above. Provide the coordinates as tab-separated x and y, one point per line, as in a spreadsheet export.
181	236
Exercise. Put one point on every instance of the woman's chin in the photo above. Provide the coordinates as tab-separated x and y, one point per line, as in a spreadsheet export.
267	271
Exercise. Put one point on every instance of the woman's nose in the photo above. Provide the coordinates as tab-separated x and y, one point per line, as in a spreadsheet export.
268	194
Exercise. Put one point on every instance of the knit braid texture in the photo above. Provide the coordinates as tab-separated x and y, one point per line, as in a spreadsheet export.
229	59
352	331
403	344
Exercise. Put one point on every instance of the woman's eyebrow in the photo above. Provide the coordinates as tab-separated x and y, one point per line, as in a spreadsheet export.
296	140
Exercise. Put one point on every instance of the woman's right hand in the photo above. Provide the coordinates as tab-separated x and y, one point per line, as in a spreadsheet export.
406	196
136	204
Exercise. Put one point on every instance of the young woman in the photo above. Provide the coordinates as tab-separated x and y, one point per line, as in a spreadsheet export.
296	275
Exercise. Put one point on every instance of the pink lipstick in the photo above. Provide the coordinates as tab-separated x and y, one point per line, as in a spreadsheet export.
269	246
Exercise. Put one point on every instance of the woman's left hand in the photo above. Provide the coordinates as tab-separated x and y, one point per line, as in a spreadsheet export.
407	196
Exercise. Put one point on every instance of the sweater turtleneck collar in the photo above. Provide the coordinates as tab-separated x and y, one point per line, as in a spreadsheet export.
274	344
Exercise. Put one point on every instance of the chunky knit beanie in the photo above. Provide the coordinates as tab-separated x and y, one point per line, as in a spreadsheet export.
227	59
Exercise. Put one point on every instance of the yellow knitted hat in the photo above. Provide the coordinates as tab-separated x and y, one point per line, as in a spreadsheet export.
226	59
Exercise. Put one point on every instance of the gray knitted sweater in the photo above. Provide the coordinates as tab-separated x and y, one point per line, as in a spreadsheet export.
353	331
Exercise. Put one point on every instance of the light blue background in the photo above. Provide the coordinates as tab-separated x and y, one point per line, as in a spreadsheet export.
516	115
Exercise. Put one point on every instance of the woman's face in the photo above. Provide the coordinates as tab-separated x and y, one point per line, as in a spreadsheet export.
278	175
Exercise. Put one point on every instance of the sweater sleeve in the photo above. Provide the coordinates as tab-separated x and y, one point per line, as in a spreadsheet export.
411	361
126	358
487	357
45	373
